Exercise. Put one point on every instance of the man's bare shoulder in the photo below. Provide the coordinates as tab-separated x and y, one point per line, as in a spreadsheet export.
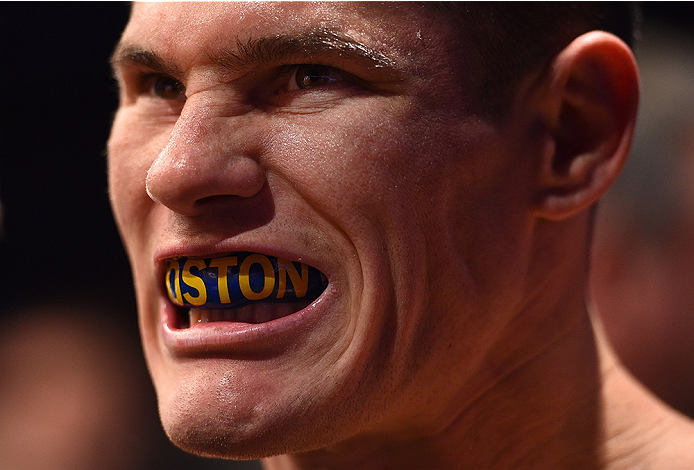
676	449
642	431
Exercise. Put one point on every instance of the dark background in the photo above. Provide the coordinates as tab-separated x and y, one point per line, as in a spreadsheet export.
59	245
59	242
58	98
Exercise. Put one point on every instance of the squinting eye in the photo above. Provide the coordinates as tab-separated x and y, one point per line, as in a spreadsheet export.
311	76
168	88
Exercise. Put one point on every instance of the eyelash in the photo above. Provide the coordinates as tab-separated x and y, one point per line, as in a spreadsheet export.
162	86
307	76
300	77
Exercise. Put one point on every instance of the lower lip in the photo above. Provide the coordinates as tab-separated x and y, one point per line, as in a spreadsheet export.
225	337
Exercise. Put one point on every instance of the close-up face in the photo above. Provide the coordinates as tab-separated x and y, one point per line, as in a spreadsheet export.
323	156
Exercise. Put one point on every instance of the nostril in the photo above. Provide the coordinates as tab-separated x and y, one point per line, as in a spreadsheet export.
216	200
207	157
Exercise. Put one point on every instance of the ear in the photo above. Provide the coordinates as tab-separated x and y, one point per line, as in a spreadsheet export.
590	102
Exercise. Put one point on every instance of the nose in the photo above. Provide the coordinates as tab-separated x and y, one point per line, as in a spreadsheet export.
208	157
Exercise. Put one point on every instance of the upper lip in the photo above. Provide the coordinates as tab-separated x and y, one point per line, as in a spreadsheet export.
162	256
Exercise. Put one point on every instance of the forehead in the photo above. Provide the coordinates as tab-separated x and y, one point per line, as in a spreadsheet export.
404	32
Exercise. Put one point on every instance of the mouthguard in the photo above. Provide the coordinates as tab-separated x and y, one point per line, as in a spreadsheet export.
239	279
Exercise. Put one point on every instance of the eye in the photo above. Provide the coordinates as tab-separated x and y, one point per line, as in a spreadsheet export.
167	88
307	76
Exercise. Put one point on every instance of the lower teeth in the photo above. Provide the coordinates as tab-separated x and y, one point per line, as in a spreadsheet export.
252	313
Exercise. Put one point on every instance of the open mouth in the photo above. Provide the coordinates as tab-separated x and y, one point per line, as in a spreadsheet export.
240	287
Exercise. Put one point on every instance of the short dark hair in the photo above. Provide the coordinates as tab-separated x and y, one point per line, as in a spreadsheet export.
515	38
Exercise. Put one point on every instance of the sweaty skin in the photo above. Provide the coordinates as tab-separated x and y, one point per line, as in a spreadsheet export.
368	174
453	333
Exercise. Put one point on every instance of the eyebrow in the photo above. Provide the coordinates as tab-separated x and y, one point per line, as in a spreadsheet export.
268	49
125	54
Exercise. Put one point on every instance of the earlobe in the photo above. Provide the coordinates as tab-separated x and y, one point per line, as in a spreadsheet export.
592	92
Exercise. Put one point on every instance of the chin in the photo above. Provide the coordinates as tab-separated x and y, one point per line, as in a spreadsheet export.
211	424
219	415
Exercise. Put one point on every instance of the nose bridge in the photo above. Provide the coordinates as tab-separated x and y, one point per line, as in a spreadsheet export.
206	155
206	122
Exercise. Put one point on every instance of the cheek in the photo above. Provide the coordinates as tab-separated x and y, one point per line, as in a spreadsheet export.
373	165
132	147
352	169
394	195
345	160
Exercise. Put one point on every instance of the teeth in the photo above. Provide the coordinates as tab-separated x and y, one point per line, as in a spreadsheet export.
244	314
252	313
215	315
194	316
262	313
282	310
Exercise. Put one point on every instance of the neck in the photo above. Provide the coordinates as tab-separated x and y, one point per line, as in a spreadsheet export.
522	421
588	413
549	394
542	410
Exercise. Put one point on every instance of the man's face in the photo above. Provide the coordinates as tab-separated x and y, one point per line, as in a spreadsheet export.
335	135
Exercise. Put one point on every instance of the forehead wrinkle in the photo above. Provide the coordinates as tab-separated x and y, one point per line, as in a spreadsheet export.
286	46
